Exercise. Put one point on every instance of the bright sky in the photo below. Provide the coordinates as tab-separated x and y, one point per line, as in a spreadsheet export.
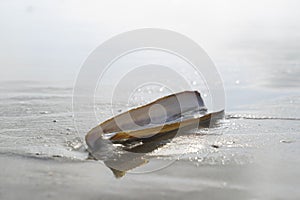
50	39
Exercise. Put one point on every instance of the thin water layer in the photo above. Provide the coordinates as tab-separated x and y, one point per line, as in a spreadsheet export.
255	147
43	124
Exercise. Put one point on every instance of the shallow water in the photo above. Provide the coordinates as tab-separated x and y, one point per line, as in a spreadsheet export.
252	154
260	138
42	117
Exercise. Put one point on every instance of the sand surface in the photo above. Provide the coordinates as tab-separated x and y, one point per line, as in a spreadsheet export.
42	155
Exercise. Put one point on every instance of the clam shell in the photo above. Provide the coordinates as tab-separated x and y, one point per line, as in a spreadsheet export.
143	129
181	110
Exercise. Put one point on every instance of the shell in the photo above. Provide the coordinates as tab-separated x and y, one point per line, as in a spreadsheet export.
147	126
181	110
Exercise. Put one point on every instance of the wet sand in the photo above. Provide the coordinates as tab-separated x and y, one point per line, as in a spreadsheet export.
32	178
253	154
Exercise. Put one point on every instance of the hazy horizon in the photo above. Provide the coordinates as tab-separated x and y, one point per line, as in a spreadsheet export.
50	40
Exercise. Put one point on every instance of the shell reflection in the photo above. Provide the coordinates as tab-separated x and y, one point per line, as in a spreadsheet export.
124	141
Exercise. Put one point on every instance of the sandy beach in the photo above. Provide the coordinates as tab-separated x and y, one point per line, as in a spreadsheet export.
252	155
35	178
251	47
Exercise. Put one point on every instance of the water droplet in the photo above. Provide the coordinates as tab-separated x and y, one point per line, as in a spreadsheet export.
194	83
237	82
75	144
161	89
